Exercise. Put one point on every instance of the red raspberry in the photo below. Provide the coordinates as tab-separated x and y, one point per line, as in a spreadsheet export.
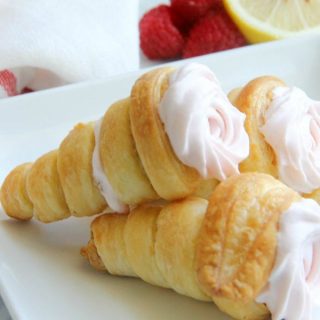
180	22
159	38
214	32
192	10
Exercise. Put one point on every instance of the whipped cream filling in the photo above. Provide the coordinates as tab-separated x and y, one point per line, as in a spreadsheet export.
205	130
100	177
293	288
292	128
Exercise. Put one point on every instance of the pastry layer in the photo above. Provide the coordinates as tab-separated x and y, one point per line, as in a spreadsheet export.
224	250
140	238
177	237
14	196
75	172
253	100
108	236
170	177
153	242
120	159
45	191
238	238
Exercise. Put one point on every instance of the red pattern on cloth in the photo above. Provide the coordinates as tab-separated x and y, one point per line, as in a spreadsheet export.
26	90
9	82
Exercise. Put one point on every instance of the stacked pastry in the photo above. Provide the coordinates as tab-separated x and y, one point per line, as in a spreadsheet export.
283	124
176	135
254	249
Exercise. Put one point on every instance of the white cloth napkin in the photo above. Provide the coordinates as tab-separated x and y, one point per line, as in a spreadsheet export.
46	43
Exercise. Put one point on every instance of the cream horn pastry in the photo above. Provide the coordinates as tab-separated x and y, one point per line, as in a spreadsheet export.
283	124
253	249
176	135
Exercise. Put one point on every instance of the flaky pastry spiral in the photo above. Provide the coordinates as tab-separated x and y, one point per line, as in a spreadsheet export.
223	250
135	154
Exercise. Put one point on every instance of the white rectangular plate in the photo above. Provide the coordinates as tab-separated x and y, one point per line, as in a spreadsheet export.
42	275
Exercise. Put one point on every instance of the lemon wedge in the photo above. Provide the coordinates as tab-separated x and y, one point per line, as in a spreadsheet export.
264	20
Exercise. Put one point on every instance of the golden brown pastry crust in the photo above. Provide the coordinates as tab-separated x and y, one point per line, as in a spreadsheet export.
13	194
315	195
108	236
242	311
205	188
140	238
159	244
234	94
75	172
90	253
136	156
168	175
120	159
225	252
238	238
253	100
177	236
45	191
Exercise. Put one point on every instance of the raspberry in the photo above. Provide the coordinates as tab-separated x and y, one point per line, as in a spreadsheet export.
180	22
191	10
159	38
214	32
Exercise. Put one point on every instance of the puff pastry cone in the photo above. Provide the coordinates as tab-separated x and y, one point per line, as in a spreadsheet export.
134	152
284	128
222	250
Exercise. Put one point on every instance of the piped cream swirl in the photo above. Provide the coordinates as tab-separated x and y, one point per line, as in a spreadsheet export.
293	289
205	130
292	128
100	177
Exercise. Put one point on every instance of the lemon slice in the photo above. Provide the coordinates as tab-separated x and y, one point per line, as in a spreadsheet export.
264	20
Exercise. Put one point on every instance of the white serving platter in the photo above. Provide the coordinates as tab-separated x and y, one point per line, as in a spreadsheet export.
42	275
